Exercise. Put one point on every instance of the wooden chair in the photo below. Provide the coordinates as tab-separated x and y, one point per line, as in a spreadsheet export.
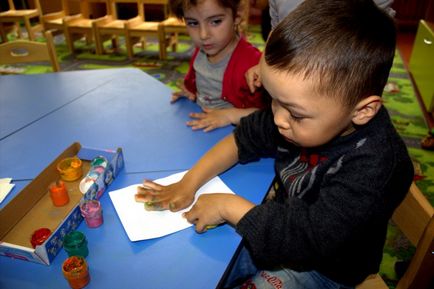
137	30
25	51
163	3
113	27
55	21
414	217
77	26
7	28
168	32
21	15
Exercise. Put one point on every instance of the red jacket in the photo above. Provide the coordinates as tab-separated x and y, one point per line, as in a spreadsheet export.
234	88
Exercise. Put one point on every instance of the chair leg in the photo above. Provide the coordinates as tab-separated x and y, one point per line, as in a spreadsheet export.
129	46
115	41
3	34
174	41
162	42
69	40
99	49
29	29
88	37
20	35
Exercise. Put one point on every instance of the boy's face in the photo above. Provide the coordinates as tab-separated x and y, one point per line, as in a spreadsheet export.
302	116
212	28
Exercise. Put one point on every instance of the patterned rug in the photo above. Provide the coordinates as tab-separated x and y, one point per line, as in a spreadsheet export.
399	98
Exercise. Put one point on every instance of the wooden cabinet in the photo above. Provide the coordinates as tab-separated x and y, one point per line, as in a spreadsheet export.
409	12
422	63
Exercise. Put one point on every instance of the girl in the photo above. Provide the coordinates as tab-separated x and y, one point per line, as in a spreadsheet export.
215	79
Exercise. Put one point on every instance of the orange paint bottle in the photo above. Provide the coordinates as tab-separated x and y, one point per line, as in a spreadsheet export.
58	193
76	272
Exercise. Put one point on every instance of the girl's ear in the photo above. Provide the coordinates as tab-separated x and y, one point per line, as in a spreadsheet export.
238	16
241	12
366	109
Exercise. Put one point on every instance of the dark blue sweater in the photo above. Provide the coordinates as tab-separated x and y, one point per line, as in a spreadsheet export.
332	203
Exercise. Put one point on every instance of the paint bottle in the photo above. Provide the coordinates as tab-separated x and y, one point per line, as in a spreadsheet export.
75	244
58	193
39	236
70	169
97	167
76	272
92	213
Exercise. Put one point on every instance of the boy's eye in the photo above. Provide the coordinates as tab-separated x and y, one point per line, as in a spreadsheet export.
295	117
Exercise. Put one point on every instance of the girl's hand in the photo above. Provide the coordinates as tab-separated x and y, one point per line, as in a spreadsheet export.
184	92
210	119
173	197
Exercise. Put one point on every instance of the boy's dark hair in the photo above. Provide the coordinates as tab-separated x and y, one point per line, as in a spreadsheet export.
348	44
179	6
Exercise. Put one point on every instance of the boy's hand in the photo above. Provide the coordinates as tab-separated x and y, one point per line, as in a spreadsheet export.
206	211
184	92
173	197
214	209
253	78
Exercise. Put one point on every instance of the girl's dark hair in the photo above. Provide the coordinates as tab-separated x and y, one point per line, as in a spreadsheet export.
348	45
177	7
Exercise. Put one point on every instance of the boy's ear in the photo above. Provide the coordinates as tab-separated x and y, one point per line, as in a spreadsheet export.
366	109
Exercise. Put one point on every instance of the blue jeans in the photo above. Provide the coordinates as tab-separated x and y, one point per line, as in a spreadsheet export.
245	275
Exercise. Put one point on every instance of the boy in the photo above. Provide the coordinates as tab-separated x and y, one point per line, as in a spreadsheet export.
341	168
278	10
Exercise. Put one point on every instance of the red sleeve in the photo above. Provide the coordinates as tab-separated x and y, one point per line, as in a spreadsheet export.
190	77
235	88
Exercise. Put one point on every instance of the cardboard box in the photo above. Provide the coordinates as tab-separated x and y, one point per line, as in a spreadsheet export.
32	208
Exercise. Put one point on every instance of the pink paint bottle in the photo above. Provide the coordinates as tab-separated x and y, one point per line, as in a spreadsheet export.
92	212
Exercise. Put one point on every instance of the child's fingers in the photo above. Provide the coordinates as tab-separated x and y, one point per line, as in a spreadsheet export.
176	96
148	190
196	124
190	217
156	206
198	115
177	205
142	198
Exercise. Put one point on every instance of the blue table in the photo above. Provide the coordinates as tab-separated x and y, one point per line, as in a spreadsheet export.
118	108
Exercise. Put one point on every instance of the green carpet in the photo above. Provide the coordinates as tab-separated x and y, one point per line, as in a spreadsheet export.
399	98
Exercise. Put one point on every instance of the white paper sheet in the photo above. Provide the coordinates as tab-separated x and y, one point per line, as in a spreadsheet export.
5	188
140	224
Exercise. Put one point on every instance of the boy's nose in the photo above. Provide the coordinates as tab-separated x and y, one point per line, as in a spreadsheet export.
281	120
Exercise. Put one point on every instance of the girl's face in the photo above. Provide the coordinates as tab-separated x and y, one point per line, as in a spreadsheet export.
302	116
212	28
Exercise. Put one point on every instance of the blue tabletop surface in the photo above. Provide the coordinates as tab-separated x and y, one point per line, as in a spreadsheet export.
44	93
108	109
132	111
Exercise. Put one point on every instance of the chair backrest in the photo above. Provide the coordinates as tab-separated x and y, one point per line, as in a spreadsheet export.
25	51
139	3
85	7
163	3
12	5
415	218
